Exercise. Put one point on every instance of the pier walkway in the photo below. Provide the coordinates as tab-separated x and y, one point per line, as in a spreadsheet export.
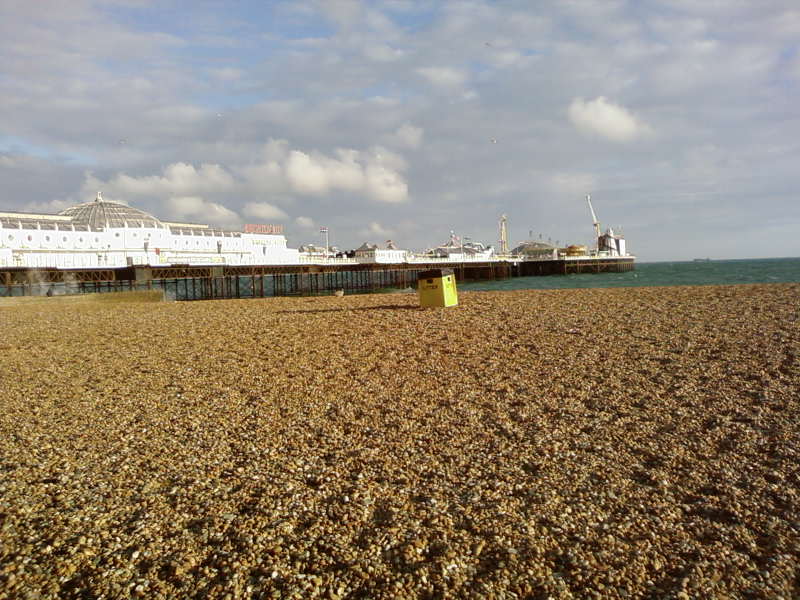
259	281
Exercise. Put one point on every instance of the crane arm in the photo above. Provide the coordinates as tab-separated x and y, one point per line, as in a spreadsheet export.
595	222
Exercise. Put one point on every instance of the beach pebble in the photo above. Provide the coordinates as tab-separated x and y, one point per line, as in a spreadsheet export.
600	443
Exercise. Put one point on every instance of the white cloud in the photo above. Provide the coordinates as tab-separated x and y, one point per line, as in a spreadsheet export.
375	174
446	77
305	222
385	185
505	58
227	74
202	211
263	210
604	118
383	53
318	174
178	179
376	229
408	135
345	13
387	158
49	208
571	185
304	174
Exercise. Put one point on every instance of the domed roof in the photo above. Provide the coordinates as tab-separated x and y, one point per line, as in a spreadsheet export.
533	247
104	213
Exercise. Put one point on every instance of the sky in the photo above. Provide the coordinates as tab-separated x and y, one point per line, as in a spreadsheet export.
406	120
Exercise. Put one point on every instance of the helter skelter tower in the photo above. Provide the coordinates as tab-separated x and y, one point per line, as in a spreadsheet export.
503	234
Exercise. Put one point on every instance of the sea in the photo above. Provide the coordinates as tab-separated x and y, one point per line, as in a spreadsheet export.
651	274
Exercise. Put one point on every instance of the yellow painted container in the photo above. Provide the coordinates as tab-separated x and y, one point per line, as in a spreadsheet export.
437	287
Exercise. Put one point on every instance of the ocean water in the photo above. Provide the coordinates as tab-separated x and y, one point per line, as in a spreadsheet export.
714	272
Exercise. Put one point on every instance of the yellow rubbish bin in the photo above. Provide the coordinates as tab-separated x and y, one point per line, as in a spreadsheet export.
437	287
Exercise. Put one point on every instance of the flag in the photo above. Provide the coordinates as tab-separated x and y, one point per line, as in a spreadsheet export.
323	230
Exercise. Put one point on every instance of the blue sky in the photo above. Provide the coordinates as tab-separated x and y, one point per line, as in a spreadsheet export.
404	120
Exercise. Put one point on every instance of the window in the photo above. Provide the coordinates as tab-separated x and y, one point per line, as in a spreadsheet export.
30	238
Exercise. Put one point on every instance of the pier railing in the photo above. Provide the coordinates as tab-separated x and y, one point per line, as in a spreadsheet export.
251	281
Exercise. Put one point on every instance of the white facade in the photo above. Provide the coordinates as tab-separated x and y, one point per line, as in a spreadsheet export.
457	251
371	253
611	244
109	234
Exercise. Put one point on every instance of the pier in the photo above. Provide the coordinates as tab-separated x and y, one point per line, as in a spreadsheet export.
261	281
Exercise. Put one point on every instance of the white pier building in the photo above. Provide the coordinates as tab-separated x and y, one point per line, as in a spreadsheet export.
102	233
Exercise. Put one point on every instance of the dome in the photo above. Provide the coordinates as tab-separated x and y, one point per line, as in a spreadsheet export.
104	213
532	248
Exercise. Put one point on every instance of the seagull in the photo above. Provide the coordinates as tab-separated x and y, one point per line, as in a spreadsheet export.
493	140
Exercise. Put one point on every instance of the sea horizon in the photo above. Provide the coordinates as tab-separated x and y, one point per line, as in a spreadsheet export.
731	271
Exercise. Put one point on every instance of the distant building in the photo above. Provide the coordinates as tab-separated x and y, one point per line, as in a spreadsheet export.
311	250
611	243
455	250
536	250
367	252
102	233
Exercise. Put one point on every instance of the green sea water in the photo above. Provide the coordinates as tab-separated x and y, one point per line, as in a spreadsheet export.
714	272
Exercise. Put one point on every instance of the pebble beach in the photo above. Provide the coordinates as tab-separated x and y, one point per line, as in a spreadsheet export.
596	443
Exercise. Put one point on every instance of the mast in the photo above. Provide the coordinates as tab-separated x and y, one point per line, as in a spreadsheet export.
503	235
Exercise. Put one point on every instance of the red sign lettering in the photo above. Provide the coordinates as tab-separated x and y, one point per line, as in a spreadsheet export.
260	228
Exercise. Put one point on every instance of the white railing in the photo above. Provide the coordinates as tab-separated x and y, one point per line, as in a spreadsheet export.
330	260
421	258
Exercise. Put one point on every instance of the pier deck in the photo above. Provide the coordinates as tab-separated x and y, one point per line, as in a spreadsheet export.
249	281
